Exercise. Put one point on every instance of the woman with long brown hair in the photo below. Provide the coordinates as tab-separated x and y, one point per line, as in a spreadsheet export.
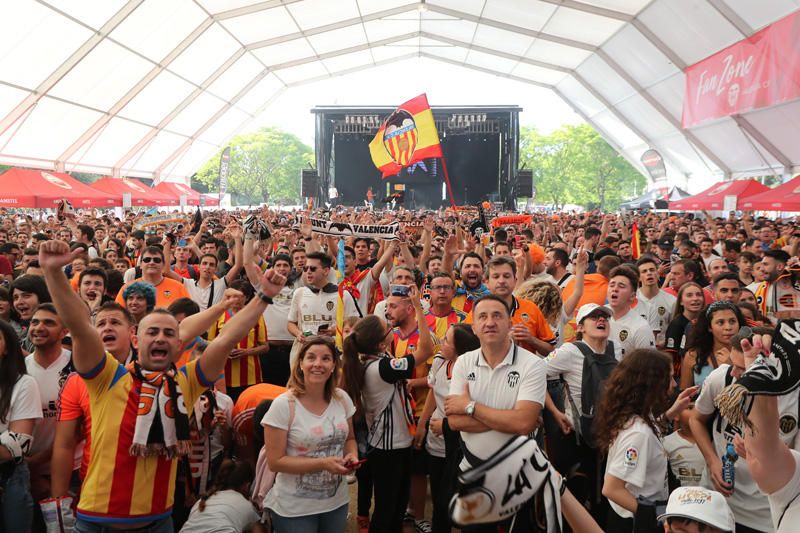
377	382
629	426
310	444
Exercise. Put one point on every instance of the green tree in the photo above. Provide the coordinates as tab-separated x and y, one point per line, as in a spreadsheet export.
265	166
575	165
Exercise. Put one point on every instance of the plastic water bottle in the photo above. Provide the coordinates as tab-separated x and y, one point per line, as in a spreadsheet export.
728	460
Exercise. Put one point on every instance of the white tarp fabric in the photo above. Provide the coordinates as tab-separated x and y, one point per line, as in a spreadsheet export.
148	88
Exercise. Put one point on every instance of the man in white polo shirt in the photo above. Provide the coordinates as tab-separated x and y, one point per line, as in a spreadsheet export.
496	392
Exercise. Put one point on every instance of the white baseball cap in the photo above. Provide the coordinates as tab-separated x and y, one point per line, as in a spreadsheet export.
702	505
587	309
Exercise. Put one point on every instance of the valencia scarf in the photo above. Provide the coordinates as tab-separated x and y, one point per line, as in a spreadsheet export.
162	426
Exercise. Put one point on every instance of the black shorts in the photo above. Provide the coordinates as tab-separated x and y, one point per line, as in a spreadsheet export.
419	461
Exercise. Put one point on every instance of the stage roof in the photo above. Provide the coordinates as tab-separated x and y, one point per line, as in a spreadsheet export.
149	88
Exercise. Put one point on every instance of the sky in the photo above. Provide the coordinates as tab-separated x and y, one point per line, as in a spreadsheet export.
394	84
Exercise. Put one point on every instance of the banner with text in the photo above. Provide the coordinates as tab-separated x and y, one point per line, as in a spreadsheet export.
388	232
760	71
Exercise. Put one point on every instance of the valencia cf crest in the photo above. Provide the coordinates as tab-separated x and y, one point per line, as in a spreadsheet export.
400	136
525	317
623	335
787	424
167	293
329	306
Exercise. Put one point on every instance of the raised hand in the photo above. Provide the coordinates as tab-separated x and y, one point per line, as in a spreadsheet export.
56	255
272	283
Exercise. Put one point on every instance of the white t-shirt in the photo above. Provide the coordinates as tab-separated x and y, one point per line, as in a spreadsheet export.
386	402
685	459
439	377
201	295
567	361
784	503
637	457
48	381
521	376
558	327
661	307
25	402
226	511
629	333
310	435
311	310
749	505
276	315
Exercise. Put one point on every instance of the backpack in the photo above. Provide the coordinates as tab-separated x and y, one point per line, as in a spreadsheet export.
596	369
264	477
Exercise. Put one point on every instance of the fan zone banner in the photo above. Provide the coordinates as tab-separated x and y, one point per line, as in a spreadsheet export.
760	71
406	137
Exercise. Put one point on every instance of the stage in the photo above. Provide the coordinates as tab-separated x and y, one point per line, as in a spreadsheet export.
480	146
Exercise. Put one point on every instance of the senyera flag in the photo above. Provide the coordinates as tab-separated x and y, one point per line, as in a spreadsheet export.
407	136
636	244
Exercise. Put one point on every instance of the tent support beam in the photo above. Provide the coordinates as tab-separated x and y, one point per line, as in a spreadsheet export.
66	67
594	10
761	139
136	89
659	107
732	17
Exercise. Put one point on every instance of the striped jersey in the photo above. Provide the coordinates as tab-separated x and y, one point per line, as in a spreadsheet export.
246	370
439	324
121	488
407	345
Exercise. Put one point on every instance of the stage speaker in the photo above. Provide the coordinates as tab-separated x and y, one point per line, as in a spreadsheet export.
523	185
309	183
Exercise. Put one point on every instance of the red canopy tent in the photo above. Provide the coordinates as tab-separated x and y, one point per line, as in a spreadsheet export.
177	189
713	198
141	194
784	197
20	187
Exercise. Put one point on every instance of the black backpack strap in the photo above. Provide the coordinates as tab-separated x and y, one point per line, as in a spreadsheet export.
585	349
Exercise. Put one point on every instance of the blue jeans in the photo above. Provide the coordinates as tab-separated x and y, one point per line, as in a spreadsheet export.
161	526
16	500
331	522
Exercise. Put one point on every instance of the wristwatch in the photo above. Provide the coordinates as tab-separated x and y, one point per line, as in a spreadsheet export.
469	410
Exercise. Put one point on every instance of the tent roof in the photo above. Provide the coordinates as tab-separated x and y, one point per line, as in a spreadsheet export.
141	194
713	198
153	89
784	197
33	188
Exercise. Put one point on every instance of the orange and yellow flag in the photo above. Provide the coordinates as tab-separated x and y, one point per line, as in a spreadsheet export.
636	245
407	136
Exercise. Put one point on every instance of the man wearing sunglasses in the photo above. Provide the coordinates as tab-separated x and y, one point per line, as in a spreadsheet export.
313	308
167	290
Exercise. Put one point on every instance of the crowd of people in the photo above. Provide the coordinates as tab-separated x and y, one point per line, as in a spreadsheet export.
241	370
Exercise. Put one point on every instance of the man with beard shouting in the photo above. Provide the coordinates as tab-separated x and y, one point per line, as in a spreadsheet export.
140	425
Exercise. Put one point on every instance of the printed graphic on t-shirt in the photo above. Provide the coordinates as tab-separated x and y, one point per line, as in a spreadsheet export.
322	484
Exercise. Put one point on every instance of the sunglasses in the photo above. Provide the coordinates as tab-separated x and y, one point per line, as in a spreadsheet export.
310	269
441	287
151	260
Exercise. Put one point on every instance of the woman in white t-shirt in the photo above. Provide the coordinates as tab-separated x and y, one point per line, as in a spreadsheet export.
20	407
628	425
310	444
226	508
377	382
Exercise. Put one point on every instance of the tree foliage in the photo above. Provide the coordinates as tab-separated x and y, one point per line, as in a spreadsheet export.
574	165
265	166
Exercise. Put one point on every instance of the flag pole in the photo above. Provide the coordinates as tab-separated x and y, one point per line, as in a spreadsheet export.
447	182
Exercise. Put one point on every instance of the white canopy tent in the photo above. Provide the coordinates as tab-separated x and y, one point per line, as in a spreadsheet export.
149	88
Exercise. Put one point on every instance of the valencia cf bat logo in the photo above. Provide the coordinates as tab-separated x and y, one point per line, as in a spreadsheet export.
400	136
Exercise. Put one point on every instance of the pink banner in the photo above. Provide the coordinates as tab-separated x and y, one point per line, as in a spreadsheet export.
760	71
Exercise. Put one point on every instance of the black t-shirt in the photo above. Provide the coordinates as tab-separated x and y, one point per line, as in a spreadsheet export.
366	266
675	338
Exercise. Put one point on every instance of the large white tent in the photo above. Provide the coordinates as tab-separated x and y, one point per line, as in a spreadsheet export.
152	88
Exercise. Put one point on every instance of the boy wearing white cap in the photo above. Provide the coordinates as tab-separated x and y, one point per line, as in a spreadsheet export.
695	510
